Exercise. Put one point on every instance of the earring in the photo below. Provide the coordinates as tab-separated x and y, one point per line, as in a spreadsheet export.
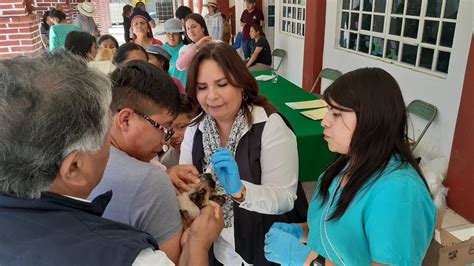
245	97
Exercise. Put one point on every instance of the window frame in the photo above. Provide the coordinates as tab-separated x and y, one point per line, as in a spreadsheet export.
298	23
386	36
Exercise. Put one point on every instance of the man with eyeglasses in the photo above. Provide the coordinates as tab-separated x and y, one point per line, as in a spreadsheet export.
55	114
144	103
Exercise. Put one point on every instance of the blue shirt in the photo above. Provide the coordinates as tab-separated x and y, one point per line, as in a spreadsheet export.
173	71
391	220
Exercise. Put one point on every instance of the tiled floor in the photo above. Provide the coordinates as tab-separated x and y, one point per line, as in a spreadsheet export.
452	219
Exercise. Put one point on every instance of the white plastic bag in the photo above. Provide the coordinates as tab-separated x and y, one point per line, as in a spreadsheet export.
435	171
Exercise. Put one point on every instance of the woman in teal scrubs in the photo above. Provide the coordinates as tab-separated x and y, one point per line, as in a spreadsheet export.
371	205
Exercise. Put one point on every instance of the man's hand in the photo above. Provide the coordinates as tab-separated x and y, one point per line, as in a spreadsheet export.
182	175
207	226
197	239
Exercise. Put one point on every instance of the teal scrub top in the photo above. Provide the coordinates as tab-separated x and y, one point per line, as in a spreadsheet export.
58	33
173	71
391	220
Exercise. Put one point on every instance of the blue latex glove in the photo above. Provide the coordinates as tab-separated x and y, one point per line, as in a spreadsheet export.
293	229
284	248
227	171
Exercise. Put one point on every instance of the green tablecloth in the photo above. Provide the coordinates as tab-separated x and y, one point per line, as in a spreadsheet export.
313	153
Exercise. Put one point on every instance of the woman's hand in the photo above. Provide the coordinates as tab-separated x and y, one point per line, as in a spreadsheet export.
203	41
284	248
293	229
227	171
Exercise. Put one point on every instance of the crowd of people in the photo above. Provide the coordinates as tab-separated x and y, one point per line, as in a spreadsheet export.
99	138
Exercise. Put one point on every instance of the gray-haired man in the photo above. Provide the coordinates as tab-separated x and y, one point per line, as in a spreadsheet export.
54	147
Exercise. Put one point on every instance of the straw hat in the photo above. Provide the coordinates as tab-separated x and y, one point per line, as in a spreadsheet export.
86	9
212	3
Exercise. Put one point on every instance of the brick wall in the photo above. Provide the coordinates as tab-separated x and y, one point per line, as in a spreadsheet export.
20	24
19	29
102	15
45	5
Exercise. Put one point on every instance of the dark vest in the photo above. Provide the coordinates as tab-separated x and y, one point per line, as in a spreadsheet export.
250	227
56	230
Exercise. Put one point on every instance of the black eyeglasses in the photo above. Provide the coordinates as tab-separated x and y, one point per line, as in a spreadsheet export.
168	132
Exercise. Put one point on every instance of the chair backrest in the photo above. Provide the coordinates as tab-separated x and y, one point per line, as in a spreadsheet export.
427	112
280	53
326	73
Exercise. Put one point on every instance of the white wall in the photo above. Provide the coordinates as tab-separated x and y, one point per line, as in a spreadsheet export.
269	32
444	93
292	67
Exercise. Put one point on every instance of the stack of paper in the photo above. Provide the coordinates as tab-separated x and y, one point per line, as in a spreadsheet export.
307	104
316	114
263	77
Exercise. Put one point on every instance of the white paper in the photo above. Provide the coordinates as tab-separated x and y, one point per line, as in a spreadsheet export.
307	104
463	234
316	114
263	77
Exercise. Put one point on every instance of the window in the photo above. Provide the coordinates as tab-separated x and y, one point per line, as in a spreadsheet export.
271	14
414	33
292	17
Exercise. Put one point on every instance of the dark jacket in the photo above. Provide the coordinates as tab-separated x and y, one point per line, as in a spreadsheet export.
250	227
57	230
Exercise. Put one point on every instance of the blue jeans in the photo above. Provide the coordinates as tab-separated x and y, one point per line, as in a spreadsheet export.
247	47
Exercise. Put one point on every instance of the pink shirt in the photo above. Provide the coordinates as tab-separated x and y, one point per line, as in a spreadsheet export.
186	54
179	84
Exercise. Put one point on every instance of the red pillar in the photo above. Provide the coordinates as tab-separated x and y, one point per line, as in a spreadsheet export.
19	29
225	9
191	5
199	7
102	15
313	42
461	168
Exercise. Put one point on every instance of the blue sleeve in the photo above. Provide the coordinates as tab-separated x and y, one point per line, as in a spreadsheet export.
399	222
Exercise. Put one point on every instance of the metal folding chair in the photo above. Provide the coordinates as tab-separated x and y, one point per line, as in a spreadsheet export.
278	53
427	112
326	73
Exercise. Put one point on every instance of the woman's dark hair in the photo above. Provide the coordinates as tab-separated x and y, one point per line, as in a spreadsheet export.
182	12
259	30
79	43
57	14
122	52
163	60
380	133
236	73
108	37
200	20
140	5
44	20
126	10
186	107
